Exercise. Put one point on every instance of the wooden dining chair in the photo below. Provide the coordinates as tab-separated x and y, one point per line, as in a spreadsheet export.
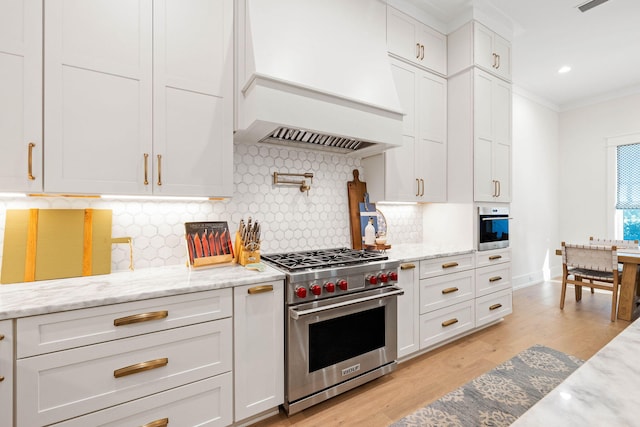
620	244
591	265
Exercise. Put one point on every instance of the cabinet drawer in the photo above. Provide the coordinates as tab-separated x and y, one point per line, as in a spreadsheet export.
69	329
493	278
6	373
65	384
442	291
498	256
445	323
493	307
444	265
206	402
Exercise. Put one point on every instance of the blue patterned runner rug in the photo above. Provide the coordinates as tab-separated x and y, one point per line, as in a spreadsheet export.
501	395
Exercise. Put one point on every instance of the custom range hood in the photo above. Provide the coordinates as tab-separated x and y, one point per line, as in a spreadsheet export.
315	74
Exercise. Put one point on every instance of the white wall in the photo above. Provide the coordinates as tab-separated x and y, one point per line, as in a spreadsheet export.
583	163
535	208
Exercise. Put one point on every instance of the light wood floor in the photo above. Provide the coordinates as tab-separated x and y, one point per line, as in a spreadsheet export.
581	329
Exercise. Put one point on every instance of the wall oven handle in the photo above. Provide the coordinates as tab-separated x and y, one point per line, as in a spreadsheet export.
295	314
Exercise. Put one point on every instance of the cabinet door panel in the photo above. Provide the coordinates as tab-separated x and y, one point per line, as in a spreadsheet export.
502	171
435	49
502	48
97	95
483	47
21	94
401	35
483	185
406	79
482	105
6	372
408	310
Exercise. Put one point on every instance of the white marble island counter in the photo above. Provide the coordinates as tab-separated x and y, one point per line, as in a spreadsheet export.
602	392
28	299
416	251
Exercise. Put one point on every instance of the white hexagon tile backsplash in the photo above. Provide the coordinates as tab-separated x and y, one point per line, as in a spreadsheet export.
291	220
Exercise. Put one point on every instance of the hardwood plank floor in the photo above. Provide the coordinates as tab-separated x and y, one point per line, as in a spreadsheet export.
581	329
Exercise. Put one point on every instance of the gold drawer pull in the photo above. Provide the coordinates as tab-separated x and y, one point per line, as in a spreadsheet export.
260	289
1	337
449	322
141	317
158	423
450	264
30	162
1	378
146	169
449	290
140	367
159	169
494	257
407	266
495	278
495	306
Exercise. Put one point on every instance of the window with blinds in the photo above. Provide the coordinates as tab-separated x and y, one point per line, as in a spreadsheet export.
628	189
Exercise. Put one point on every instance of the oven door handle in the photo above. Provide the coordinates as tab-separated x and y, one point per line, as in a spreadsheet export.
295	314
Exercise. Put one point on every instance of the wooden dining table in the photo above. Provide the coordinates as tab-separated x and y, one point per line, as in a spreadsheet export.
629	291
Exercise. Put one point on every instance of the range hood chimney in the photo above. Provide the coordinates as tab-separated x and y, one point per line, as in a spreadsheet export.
315	74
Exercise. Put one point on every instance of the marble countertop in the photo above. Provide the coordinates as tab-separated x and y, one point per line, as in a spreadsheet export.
602	392
416	251
28	299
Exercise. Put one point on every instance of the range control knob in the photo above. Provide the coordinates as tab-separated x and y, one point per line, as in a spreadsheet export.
393	275
301	292
330	287
373	280
315	289
343	285
384	278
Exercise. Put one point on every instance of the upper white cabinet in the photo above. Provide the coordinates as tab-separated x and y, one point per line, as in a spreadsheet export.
416	171
475	44
415	42
21	95
138	97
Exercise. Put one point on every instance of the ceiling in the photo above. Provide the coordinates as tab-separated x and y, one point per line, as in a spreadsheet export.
601	45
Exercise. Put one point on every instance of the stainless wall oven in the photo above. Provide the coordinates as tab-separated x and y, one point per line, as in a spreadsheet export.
341	325
493	228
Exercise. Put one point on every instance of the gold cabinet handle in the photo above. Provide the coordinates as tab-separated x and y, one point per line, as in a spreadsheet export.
260	289
141	317
417	50
30	162
495	60
495	278
146	169
1	378
422	191
140	367
158	423
421	52
407	266
450	290
449	322
499	188
417	187
495	306
498	66
449	265
1	337
159	169
494	257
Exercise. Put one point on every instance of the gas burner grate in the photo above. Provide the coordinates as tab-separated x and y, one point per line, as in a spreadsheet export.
323	258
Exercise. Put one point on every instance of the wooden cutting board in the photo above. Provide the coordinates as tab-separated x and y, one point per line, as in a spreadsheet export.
356	190
42	244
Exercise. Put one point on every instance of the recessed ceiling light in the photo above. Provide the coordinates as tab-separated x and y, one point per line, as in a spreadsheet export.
564	69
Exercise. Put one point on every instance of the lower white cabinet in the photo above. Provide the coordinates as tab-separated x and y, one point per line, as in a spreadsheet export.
408	310
493	306
442	291
258	312
6	373
203	403
445	323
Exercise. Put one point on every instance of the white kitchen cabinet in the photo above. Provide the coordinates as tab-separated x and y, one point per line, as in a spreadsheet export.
440	325
21	95
258	312
445	290
492	307
138	97
416	171
413	41
6	372
82	361
475	44
408	310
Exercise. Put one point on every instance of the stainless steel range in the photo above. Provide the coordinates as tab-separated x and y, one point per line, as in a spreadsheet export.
341	320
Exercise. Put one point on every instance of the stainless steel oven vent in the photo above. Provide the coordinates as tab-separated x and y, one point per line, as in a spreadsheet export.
591	4
308	139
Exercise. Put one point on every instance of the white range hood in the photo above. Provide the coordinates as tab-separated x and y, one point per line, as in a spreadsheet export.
315	74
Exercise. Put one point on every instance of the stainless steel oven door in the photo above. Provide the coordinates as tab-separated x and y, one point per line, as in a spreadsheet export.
335	340
493	227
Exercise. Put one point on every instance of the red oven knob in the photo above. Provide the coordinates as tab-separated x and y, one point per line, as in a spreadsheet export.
373	280
315	289
393	275
330	287
343	285
301	292
383	278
